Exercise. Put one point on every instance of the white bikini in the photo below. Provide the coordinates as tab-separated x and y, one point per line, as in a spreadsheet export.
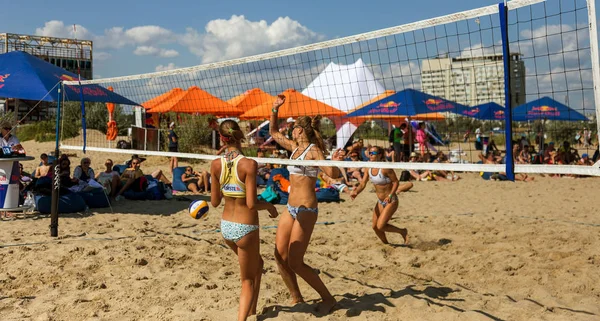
309	171
379	179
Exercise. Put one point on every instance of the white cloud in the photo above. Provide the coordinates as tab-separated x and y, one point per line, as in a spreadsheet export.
101	55
56	28
154	51
239	37
169	66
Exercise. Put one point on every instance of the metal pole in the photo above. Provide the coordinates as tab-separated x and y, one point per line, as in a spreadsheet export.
510	162
56	178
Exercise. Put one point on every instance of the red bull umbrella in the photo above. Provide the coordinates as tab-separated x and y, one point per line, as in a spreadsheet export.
408	102
546	108
24	76
487	111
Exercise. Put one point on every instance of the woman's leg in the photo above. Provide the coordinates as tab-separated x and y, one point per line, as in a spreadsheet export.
380	234
114	185
158	174
205	180
299	239
282	241
248	252
384	218
193	187
405	187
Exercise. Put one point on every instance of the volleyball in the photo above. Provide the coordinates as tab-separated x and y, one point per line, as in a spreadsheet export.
198	209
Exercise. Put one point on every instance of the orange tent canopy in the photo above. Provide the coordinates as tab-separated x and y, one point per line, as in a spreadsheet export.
172	95
197	101
296	104
250	99
394	119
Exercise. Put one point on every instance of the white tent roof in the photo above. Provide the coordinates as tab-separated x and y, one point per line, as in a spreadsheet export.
344	87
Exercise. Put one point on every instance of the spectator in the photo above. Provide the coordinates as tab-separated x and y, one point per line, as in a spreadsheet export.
134	156
422	139
197	182
173	146
109	178
64	172
84	172
585	160
478	143
44	168
397	140
7	138
133	177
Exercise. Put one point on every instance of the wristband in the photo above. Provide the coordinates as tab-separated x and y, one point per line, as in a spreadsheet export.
274	110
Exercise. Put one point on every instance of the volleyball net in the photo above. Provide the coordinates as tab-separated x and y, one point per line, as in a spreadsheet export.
436	94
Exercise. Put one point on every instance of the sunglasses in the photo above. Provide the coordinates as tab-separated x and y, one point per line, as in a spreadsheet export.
135	163
188	170
374	153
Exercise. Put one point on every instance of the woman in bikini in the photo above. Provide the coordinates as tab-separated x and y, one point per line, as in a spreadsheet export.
386	186
296	225
234	179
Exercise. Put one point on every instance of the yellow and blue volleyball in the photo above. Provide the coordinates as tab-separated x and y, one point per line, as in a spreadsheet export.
198	209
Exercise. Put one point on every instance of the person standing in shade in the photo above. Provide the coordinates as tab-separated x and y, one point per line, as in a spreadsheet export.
397	140
173	145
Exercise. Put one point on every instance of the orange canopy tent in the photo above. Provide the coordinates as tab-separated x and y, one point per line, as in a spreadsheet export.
296	104
172	95
393	119
196	101
250	99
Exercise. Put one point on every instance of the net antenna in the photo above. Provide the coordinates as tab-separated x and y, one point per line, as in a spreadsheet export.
450	66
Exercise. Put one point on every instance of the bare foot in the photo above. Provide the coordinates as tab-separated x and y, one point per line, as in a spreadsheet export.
404	233
297	300
326	306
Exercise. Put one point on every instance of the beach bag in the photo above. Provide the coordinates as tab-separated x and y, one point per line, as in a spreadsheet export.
284	184
328	195
269	195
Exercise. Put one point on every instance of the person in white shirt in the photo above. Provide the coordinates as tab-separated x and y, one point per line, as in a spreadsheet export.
7	138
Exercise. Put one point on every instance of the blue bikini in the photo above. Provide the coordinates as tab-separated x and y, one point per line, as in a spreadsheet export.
234	232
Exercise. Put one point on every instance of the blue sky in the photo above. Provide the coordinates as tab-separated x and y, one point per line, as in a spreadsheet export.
114	56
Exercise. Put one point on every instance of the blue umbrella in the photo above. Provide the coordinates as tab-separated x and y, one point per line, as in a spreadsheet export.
546	108
487	111
24	76
408	102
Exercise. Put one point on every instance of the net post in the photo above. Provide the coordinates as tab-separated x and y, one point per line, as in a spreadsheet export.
56	169
591	5
510	162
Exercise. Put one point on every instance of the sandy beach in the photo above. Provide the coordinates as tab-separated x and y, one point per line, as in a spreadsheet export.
478	250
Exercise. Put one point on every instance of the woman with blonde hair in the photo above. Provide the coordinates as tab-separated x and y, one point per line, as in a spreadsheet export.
234	180
296	225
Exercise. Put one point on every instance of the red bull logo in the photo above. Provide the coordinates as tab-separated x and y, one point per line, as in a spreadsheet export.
67	78
390	107
2	77
471	112
389	104
438	104
543	111
499	114
89	91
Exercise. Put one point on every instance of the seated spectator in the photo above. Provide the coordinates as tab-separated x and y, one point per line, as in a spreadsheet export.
338	183
44	168
390	154
109	178
585	160
133	177
196	182
568	155
354	172
492	158
64	172
84	172
549	153
524	156
134	156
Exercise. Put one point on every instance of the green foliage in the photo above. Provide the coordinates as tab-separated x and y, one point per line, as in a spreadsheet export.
43	131
193	132
369	130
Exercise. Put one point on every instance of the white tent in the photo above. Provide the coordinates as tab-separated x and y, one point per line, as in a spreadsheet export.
344	87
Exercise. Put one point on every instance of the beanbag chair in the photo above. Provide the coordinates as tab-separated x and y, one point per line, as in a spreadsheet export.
328	195
119	168
69	203
135	196
95	198
178	185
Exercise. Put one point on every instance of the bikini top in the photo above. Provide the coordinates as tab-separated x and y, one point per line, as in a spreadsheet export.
379	179
231	185
309	171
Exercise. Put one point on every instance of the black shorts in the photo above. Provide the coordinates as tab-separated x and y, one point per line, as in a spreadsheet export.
173	149
398	149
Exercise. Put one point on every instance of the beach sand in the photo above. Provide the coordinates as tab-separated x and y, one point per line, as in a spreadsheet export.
478	250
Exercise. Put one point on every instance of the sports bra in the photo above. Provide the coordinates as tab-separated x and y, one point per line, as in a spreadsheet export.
379	179
231	185
309	171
